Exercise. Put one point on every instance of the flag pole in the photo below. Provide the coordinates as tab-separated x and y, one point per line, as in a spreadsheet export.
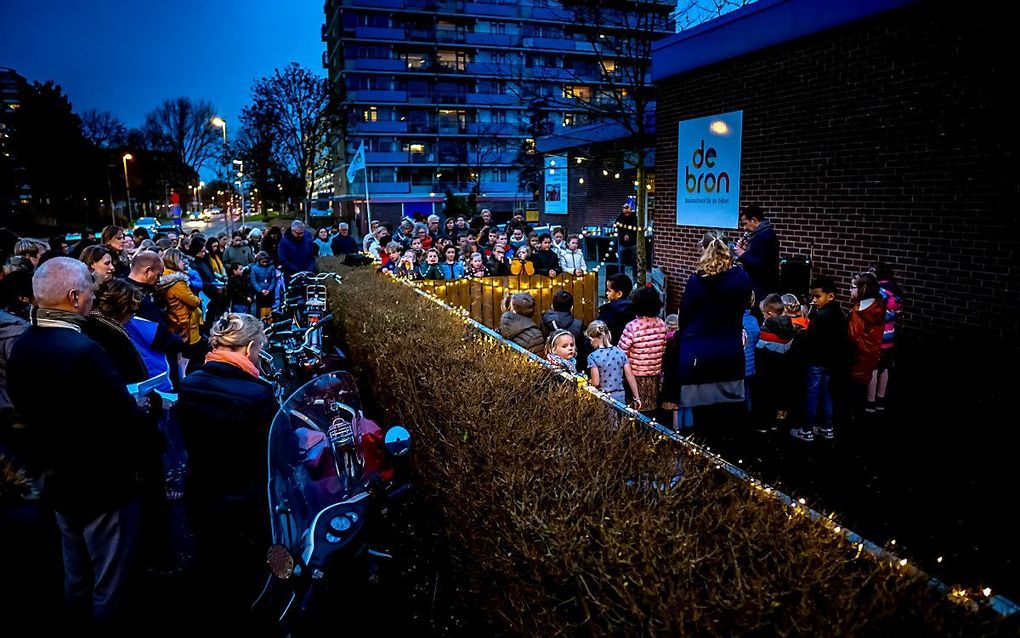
368	206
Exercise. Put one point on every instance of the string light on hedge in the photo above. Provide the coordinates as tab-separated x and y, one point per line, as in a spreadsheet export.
798	505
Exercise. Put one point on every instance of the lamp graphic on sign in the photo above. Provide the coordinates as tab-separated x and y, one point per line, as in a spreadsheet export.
708	171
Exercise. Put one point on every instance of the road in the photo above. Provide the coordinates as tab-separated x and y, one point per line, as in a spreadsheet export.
217	225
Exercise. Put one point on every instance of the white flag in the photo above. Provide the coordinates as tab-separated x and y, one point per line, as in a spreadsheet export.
357	162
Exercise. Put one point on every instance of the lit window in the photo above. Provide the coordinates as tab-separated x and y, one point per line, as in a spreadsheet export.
371	114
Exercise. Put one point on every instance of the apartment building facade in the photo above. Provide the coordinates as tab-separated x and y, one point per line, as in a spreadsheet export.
445	93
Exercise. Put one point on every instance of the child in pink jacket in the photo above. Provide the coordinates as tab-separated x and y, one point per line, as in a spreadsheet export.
644	342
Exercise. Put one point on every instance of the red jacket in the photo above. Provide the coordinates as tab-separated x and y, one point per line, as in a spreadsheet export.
644	342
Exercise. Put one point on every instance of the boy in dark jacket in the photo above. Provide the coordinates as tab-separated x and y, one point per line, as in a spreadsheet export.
824	348
562	318
776	366
617	313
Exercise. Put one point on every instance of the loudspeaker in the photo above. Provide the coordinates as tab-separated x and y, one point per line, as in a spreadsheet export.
795	275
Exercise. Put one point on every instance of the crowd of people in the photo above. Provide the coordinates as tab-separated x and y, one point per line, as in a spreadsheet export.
788	359
81	323
471	247
124	358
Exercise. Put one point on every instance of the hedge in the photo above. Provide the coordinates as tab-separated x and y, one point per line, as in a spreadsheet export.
556	523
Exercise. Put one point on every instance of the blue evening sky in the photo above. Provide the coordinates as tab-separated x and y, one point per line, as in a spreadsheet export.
125	56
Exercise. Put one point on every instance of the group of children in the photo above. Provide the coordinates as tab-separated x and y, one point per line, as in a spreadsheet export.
490	252
802	361
797	358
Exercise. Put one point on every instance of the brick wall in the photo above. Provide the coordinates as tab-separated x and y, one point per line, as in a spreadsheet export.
889	139
596	202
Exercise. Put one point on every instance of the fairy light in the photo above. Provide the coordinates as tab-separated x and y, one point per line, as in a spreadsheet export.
798	505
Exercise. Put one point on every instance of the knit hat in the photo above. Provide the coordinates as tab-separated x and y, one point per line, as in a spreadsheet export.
196	246
261	255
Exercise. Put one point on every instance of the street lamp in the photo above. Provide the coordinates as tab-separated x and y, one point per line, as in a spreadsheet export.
219	122
127	186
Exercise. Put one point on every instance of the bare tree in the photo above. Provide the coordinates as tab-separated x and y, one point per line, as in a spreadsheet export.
103	129
691	13
182	127
297	105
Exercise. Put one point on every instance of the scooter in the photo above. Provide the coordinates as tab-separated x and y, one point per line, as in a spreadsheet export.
334	478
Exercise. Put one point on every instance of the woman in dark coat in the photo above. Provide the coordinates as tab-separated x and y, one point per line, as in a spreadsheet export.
115	303
711	358
225	409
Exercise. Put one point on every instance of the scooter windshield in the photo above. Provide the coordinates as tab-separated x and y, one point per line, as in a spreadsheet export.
314	455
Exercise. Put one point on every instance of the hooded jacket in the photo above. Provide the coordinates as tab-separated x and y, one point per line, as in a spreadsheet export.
644	342
238	254
183	306
572	260
522	331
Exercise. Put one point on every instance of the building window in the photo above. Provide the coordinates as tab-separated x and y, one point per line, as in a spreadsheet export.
568	119
609	66
576	91
371	114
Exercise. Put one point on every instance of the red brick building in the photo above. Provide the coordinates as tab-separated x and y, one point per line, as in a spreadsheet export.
873	130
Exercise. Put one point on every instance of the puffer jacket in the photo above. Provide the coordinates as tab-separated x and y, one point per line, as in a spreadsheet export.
522	331
572	261
184	306
644	342
892	299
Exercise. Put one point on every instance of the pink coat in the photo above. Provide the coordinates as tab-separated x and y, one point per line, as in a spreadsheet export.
644	342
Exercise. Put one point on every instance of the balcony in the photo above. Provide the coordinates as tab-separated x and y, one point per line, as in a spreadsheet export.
375	64
446	128
552	73
386	157
493	99
449	36
446	97
379	4
490	68
484	8
423	158
492	128
488	188
380	127
490	39
325	33
561	44
379	33
389	188
546	13
376	96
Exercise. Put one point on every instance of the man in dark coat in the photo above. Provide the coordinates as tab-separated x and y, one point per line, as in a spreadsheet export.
758	253
297	251
83	426
626	236
343	243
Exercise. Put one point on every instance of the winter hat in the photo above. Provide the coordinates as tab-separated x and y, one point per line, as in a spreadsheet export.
262	255
196	246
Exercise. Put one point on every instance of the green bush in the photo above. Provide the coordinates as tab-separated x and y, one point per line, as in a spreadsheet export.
558	524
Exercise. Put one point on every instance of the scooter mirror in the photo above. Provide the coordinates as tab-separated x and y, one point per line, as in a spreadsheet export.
397	441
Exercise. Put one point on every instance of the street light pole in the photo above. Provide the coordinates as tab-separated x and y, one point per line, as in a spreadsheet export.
240	186
127	186
221	123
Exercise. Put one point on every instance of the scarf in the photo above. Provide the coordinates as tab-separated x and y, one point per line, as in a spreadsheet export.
762	227
236	358
53	318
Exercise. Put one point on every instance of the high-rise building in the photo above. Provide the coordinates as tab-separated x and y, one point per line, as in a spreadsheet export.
14	192
445	93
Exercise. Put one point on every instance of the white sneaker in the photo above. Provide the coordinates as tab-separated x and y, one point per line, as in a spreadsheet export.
825	433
